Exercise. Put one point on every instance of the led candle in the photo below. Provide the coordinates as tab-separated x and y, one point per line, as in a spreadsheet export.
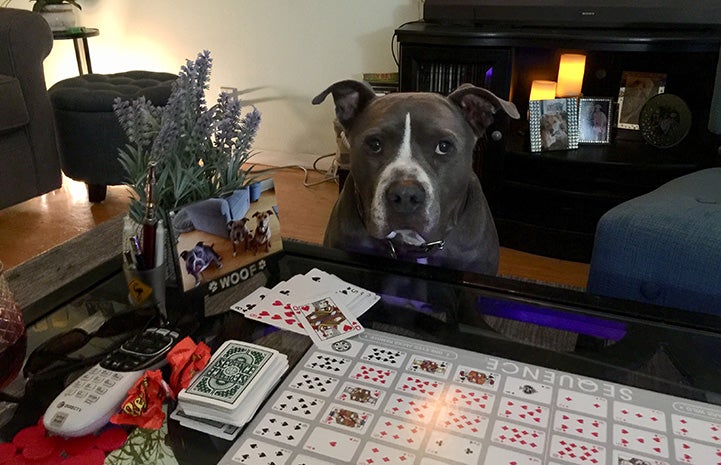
570	75
543	90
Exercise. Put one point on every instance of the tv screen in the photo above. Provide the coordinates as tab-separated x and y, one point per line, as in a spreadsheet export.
576	13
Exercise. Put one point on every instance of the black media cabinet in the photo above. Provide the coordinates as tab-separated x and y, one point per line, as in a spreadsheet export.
548	203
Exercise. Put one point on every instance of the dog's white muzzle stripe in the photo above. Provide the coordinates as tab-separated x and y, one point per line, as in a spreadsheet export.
403	166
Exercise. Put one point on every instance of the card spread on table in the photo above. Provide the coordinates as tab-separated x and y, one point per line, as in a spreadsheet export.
378	398
317	303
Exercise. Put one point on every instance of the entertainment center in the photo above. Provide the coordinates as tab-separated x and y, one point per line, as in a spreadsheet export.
549	202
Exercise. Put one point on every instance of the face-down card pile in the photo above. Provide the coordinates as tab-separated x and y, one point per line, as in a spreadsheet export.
231	387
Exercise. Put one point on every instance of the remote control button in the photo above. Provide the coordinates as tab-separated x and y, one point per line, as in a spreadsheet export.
92	398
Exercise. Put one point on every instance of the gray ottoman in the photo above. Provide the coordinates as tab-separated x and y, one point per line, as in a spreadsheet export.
89	134
664	247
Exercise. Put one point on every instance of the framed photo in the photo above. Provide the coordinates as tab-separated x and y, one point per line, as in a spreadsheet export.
553	124
636	89
219	243
594	120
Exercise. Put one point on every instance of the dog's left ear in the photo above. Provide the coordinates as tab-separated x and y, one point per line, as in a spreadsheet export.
350	97
479	105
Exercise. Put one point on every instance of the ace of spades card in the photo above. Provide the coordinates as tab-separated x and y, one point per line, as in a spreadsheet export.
326	322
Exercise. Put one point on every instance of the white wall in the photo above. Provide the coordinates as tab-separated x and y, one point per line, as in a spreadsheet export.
284	52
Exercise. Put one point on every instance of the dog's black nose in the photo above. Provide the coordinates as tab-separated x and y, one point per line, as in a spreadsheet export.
405	196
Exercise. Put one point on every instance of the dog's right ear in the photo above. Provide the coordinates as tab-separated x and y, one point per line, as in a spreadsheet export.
184	254
350	97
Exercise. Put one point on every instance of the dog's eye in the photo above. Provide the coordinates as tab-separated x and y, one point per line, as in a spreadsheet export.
443	147
374	145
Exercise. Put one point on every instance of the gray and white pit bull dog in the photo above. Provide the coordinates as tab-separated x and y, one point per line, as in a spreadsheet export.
411	192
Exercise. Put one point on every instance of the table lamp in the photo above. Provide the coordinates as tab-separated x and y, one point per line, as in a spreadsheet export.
543	90
570	75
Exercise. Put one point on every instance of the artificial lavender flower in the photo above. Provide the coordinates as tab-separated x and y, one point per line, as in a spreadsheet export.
200	151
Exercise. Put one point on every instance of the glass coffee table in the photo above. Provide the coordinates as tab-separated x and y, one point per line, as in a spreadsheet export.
506	361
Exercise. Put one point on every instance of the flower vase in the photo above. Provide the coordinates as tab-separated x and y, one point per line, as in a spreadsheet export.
13	339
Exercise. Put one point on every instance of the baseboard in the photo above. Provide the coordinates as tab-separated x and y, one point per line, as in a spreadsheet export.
277	158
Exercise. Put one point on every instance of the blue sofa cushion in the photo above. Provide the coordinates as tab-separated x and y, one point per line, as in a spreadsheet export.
664	247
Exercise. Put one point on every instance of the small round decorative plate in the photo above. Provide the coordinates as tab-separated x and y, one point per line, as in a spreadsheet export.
665	120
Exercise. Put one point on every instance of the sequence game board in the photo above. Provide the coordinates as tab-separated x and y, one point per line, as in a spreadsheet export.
385	399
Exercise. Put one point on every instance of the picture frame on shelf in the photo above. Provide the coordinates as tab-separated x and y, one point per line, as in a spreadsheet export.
594	120
553	124
636	89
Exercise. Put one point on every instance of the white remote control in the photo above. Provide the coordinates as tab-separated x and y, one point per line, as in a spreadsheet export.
87	403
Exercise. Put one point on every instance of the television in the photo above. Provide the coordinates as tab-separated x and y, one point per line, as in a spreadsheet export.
577	13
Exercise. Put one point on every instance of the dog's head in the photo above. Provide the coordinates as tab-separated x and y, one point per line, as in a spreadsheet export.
262	218
412	153
238	228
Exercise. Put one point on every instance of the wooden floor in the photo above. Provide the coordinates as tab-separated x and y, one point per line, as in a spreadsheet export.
35	226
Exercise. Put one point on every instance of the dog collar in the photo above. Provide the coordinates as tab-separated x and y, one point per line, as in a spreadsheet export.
416	251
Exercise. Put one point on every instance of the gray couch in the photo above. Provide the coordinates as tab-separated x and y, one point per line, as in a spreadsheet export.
29	161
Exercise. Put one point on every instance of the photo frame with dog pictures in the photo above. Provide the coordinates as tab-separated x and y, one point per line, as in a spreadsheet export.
219	243
594	120
636	89
553	124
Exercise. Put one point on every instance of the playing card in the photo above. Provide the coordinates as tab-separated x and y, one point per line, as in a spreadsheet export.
517	436
275	310
526	412
694	453
300	405
459	449
477	377
347	418
461	422
326	322
414	384
303	459
383	355
639	416
373	374
430	461
281	429
577	451
215	428
250	301
332	364
317	283
347	347
399	432
374	453
470	398
580	426
583	403
528	390
698	430
366	396
640	440
632	458
225	381
330	443
428	366
499	456
412	408
313	383
254	452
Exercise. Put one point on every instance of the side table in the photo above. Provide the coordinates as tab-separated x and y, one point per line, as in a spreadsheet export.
79	37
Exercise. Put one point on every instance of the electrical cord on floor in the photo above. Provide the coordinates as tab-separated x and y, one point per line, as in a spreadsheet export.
329	175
